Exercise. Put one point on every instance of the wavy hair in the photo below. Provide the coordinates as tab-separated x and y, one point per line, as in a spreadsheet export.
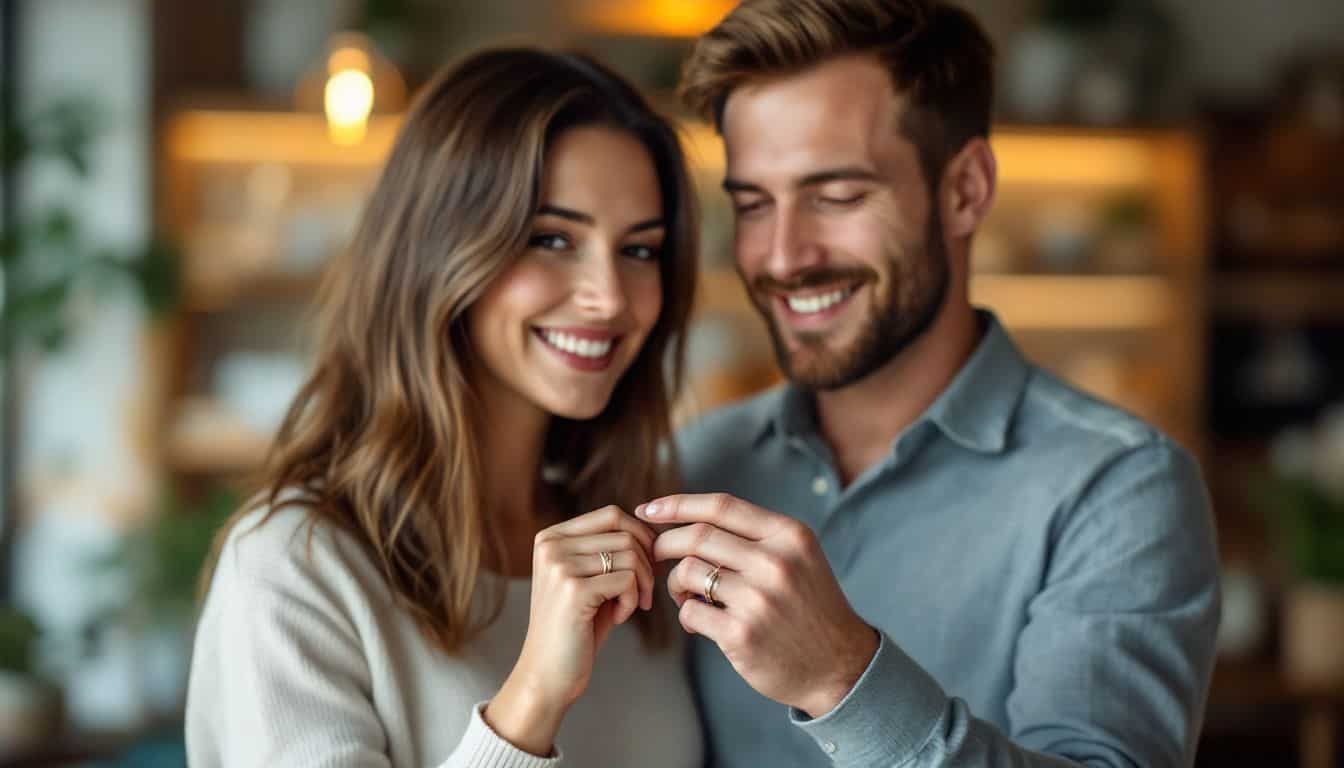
383	439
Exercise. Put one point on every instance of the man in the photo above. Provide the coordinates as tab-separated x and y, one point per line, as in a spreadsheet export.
923	550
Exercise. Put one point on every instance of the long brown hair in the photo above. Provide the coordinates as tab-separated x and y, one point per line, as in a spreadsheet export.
383	439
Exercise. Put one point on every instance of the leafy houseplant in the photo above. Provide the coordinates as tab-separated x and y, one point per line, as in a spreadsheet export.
161	561
162	558
1303	495
30	707
51	272
47	257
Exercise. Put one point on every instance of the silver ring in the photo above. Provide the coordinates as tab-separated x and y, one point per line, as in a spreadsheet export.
712	584
606	562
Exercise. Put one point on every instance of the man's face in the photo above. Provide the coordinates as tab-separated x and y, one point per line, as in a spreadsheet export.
837	239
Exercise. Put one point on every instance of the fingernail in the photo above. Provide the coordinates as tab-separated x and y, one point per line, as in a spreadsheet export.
653	510
639	511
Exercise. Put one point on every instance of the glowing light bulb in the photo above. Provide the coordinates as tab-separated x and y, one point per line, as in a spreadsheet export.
348	99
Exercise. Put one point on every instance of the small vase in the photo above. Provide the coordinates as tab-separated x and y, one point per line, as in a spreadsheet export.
1313	623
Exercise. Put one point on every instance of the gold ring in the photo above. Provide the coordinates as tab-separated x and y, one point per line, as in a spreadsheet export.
712	584
606	562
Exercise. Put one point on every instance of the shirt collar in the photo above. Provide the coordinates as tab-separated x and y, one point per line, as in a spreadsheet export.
975	411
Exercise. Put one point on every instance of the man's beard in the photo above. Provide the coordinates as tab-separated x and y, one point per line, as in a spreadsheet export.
916	290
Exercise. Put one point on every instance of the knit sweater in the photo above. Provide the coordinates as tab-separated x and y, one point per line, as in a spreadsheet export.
302	658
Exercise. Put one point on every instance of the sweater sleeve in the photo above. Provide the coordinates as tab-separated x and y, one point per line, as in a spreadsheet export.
279	677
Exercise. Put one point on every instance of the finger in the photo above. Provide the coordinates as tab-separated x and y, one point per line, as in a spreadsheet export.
626	555
708	543
607	519
701	619
621	586
718	509
690	578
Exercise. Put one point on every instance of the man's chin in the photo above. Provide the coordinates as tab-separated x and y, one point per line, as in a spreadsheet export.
811	369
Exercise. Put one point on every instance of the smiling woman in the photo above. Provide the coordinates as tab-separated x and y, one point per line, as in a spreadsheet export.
561	325
491	368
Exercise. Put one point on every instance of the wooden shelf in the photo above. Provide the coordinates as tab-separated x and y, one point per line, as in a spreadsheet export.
205	440
1280	297
1068	303
278	286
288	138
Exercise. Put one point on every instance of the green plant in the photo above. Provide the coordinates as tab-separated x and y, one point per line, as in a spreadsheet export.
46	257
1302	496
162	558
18	640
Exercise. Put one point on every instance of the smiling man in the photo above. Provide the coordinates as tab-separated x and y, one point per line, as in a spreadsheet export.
922	550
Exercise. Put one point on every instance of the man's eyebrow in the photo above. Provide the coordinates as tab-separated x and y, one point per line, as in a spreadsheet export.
846	173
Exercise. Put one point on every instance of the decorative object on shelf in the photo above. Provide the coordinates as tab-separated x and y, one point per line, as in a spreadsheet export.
1284	370
1303	497
1127	239
1244	623
1102	62
1039	70
30	706
258	387
1065	236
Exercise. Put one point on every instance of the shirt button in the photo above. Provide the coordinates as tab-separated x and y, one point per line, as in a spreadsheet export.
828	747
820	486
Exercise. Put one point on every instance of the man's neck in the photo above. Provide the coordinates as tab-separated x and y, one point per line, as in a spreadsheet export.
860	421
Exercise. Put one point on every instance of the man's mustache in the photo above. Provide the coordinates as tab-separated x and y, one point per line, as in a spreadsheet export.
812	279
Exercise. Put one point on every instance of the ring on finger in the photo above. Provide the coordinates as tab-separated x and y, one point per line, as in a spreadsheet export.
606	562
712	585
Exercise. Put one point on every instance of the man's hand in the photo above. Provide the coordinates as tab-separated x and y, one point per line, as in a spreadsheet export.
780	616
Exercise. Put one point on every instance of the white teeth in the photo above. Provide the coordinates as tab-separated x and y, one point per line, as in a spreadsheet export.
811	305
577	346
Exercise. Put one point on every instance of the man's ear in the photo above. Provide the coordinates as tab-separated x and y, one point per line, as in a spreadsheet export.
969	184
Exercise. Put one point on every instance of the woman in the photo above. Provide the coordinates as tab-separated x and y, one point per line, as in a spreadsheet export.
422	582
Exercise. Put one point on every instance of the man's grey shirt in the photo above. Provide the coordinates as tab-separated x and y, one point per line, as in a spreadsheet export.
1041	566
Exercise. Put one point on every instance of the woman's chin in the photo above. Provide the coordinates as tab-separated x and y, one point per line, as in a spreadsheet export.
579	410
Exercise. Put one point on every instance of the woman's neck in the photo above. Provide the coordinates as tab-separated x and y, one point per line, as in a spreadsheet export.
511	459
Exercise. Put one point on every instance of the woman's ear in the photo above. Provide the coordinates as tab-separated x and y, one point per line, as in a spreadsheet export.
969	185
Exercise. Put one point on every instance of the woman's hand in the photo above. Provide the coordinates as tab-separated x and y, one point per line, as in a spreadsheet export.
574	607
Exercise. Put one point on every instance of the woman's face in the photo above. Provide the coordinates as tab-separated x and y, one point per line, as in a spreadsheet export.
561	325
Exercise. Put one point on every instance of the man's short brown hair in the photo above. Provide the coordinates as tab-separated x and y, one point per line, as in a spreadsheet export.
938	56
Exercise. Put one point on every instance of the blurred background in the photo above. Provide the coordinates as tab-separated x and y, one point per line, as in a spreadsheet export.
1169	235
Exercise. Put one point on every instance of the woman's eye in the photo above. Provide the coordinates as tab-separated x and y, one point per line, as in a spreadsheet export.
549	242
644	252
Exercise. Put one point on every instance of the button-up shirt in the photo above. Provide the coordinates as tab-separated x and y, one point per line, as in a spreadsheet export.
1041	568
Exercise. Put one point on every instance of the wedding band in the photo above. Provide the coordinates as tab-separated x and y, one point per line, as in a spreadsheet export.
606	562
712	584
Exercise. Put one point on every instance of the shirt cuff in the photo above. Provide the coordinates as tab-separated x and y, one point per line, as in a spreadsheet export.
885	718
481	747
